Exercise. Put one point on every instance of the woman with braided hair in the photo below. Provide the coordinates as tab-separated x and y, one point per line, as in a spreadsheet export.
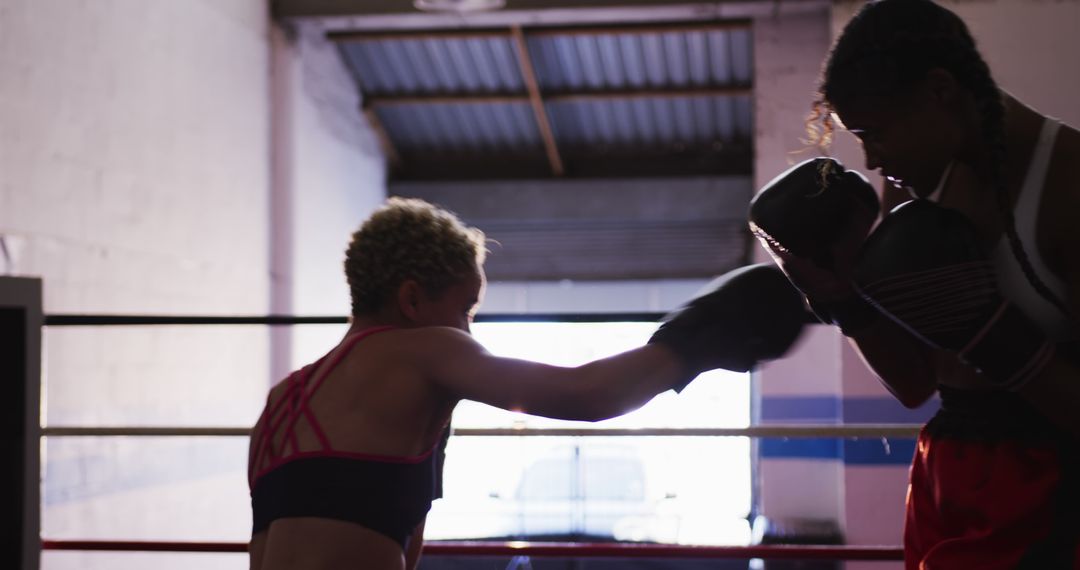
995	480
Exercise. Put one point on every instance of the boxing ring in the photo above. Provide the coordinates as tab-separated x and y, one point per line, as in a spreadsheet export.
22	319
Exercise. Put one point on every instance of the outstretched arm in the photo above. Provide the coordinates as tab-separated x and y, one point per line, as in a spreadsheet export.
598	390
745	316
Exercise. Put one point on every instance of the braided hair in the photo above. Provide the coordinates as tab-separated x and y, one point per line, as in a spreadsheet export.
886	48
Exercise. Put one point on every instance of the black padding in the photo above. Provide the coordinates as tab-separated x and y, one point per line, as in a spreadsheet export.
807	207
746	316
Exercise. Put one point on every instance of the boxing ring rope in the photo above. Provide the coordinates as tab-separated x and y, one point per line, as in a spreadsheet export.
535	549
485	548
72	320
765	431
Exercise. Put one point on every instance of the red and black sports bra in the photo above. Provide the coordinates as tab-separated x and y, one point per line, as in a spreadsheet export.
388	494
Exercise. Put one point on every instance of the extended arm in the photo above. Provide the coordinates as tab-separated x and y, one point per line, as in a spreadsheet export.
594	391
746	316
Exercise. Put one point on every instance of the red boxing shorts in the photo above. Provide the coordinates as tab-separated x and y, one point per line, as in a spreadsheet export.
992	503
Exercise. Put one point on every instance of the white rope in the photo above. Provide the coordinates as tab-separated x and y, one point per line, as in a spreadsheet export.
772	431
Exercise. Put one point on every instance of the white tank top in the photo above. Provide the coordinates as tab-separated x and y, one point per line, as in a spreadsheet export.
1014	284
1011	279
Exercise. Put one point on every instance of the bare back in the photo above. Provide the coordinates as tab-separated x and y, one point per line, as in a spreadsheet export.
369	400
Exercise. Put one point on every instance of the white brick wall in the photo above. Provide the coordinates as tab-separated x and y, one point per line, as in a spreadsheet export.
134	172
134	152
136	139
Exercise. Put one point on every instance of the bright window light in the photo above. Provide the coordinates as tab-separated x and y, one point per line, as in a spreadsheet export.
678	489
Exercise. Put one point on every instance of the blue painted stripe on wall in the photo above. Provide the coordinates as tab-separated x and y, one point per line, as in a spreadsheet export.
832	409
809	409
800	448
893	451
885	411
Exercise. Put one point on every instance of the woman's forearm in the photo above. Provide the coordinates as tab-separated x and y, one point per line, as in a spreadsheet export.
899	360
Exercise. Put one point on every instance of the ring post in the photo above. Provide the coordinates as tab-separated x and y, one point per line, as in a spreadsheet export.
20	422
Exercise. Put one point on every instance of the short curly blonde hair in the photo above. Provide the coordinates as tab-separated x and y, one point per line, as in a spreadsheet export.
408	238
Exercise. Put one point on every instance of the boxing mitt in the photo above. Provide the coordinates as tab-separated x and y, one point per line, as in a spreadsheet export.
745	316
812	219
923	266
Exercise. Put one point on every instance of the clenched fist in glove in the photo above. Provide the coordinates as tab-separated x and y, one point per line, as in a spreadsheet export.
925	269
812	219
745	316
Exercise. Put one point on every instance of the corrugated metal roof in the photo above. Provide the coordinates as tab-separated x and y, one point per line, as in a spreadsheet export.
627	60
598	88
666	123
700	121
435	65
461	127
570	62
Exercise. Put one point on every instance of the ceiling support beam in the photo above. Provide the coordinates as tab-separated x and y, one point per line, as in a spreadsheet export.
401	35
347	36
559	97
393	157
533	87
635	29
570	96
461	99
323	8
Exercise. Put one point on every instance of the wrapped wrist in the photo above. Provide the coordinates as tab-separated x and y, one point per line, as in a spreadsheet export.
688	354
662	337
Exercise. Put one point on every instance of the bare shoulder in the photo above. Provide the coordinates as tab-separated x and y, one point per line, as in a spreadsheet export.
438	335
408	351
435	342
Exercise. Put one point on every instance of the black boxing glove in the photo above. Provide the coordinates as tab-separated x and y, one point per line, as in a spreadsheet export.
812	219
745	316
923	266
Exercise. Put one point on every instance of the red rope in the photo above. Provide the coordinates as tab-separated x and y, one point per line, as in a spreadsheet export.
536	549
143	546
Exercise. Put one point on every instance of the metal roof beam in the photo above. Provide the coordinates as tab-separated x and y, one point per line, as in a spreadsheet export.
557	97
392	35
533	9
537	101
629	29
385	142
346	36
